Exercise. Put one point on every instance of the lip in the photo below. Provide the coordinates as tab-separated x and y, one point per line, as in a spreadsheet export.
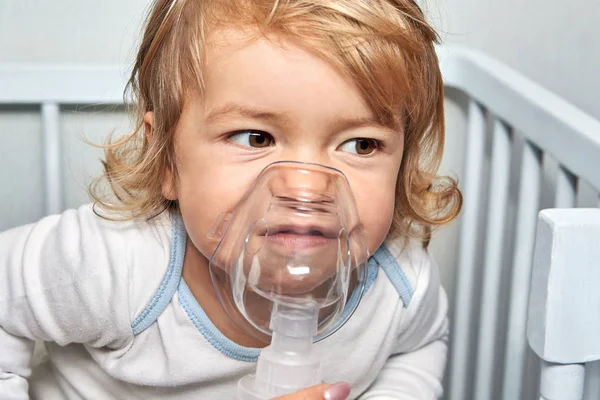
300	236
299	241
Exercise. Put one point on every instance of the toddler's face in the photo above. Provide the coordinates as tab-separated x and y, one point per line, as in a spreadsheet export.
271	100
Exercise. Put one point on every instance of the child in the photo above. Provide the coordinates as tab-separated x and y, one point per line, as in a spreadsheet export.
120	293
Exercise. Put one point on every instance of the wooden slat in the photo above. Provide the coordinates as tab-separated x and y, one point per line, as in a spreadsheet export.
460	373
562	381
592	381
53	187
516	342
566	188
490	304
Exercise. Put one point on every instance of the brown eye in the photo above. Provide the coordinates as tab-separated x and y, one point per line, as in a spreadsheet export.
360	146
260	139
255	139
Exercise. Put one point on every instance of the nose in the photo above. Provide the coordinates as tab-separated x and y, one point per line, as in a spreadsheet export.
305	181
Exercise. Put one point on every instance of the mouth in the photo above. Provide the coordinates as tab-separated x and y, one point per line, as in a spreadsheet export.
301	237
303	230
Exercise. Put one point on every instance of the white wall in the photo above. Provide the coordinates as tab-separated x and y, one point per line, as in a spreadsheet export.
69	31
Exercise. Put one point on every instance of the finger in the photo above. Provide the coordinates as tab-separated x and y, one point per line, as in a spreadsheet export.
338	391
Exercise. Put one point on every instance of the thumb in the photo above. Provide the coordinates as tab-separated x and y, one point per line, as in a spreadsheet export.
337	391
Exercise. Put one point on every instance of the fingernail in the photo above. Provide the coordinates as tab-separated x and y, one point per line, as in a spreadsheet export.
337	391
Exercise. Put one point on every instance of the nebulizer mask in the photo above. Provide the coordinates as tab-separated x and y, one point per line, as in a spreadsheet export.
289	269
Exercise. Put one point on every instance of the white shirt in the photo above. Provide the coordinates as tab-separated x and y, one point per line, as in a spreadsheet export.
118	320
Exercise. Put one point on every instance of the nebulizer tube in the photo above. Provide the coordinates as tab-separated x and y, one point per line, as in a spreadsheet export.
290	256
288	364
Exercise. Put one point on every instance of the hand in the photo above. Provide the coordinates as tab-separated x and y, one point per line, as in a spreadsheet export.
337	391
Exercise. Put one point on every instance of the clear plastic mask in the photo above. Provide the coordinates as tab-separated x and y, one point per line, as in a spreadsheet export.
294	241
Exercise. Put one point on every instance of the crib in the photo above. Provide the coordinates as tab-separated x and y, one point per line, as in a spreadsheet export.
525	309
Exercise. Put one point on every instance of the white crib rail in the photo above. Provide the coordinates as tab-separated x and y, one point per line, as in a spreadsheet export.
564	305
547	125
51	87
61	84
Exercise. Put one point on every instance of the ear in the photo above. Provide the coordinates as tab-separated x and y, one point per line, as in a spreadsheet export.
168	187
148	124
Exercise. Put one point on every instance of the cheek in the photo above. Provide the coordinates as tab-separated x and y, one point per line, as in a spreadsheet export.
199	214
206	193
376	210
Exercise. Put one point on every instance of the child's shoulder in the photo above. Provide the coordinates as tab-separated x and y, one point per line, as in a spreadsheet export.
79	266
413	257
113	242
120	231
409	267
151	251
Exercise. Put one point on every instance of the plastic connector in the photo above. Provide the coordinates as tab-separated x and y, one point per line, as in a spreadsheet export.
288	364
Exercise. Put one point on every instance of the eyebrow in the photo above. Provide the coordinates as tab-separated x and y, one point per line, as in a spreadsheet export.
340	124
344	124
245	111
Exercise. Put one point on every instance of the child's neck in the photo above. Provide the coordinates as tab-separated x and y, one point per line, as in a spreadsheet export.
197	277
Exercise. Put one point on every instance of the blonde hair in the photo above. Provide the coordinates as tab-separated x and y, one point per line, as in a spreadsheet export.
385	46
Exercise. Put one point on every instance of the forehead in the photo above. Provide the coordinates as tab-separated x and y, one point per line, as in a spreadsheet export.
272	72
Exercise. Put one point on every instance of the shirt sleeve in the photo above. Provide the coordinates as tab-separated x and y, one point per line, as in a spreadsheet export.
415	369
63	279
